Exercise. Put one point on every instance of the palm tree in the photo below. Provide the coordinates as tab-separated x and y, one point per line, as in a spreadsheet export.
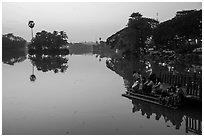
31	24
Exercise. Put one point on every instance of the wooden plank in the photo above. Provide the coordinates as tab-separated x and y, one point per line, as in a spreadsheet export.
140	98
146	100
144	96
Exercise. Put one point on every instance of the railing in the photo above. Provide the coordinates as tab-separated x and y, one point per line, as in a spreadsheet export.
193	125
192	82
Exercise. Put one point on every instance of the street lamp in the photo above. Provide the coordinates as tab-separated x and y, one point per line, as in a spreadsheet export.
31	24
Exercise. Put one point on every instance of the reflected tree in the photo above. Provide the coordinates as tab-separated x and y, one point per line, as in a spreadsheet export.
52	62
175	117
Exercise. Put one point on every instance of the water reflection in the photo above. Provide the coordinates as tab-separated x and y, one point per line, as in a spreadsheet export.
52	62
91	82
32	76
176	117
12	57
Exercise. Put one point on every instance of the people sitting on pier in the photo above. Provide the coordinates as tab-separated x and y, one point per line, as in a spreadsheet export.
179	93
153	77
144	80
136	75
157	86
137	79
163	99
176	95
152	84
172	96
147	86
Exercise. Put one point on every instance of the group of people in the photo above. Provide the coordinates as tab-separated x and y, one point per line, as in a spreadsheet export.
172	96
152	85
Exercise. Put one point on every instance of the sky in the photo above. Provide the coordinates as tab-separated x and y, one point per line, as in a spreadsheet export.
83	21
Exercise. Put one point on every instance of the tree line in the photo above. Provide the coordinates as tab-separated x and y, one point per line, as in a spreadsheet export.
183	33
13	49
9	41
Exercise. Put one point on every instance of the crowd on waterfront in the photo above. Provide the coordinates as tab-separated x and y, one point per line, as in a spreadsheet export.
152	85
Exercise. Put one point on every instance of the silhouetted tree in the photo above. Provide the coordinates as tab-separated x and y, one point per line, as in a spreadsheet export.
46	41
182	32
13	49
134	16
11	41
133	38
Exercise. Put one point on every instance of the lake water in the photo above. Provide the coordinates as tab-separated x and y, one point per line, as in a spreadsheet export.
85	98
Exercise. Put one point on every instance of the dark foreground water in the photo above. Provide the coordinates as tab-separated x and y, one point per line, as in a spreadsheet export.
83	98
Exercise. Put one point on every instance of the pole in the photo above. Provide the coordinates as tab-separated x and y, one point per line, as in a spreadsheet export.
33	70
32	34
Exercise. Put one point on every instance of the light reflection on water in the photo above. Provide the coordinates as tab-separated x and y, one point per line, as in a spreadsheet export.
86	99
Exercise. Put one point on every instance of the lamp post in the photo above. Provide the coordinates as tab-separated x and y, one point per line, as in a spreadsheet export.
31	24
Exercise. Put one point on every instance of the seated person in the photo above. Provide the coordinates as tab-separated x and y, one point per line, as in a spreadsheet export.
147	87
137	78
164	96
179	93
153	77
157	86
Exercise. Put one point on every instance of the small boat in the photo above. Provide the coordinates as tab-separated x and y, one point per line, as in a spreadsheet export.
151	98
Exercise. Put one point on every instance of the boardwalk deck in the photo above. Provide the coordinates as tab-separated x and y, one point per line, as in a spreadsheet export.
146	98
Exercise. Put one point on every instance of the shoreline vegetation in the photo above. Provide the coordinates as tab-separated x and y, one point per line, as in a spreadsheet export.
13	49
181	35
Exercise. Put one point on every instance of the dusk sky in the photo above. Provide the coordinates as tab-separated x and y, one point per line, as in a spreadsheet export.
83	21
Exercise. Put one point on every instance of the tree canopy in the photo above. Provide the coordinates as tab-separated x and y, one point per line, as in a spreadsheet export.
139	29
180	31
183	33
49	41
13	49
11	41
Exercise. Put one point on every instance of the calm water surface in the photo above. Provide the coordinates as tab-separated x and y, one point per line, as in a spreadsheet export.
85	99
